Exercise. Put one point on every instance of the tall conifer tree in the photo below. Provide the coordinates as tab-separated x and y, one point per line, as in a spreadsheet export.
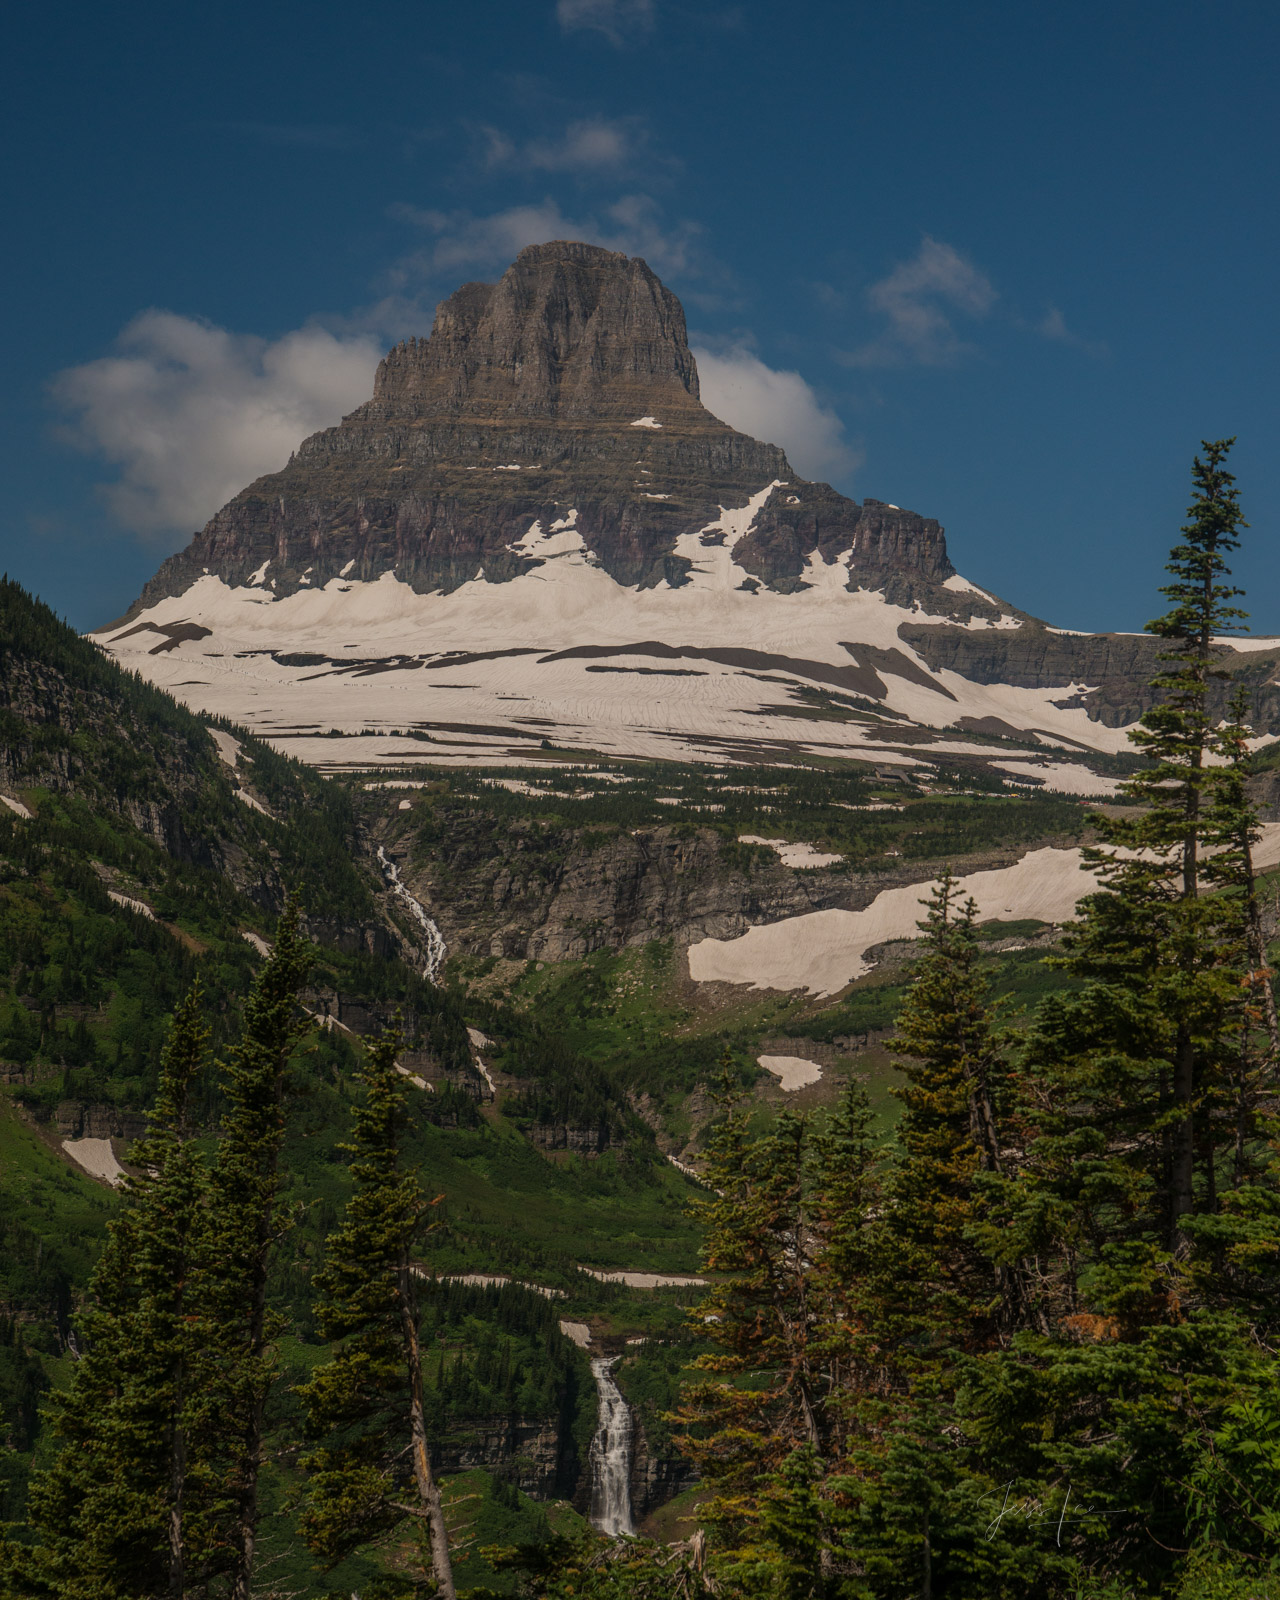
950	1134
373	1466
113	1516
238	1328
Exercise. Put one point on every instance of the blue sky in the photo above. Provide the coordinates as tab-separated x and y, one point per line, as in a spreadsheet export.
1003	264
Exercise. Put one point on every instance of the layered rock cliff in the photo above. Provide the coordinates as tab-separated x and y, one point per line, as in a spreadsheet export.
568	384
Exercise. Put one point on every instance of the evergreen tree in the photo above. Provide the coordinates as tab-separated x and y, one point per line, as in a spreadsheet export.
758	1243
237	1327
366	1403
1159	1288
1161	890
949	1136
112	1515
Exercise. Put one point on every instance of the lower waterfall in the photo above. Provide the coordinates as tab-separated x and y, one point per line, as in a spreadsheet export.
609	1459
432	937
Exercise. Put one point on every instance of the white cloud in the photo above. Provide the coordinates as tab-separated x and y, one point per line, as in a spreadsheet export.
778	407
462	241
594	144
1053	325
189	413
617	20
918	300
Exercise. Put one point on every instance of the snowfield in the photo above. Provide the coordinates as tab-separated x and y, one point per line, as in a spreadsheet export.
97	1158
792	1072
821	951
711	669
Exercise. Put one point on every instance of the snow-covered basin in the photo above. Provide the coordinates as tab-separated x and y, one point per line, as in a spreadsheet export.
96	1157
821	951
516	661
792	1072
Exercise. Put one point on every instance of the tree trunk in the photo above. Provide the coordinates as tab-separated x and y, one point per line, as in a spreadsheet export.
428	1488
246	1520
1183	1143
177	1480
1257	946
1183	1151
246	1523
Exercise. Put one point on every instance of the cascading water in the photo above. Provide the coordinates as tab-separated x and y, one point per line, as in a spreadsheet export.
434	939
609	1459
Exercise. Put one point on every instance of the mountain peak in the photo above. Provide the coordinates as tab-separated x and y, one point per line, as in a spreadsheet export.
570	331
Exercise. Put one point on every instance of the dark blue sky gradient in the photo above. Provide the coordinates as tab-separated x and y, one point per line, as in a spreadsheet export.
257	167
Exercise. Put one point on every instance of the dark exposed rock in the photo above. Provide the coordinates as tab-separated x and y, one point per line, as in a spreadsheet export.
522	405
73	1119
534	1453
655	1478
590	1141
1112	672
525	891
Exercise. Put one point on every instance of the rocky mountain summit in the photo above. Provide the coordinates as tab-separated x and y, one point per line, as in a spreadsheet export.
567	385
535	534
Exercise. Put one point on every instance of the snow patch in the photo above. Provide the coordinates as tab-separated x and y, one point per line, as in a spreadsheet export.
792	1072
493	1280
959	585
1243	645
645	1280
16	806
97	1158
646	422
256	578
480	1041
342	571
139	906
822	951
1063	776
228	748
248	799
793	855
257	941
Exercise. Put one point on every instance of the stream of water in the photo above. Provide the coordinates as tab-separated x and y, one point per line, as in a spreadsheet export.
433	939
609	1459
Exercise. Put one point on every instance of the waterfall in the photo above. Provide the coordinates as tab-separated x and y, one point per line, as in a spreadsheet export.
434	939
609	1459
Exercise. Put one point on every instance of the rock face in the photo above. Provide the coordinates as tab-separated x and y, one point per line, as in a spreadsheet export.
524	892
535	1453
1109	674
568	383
